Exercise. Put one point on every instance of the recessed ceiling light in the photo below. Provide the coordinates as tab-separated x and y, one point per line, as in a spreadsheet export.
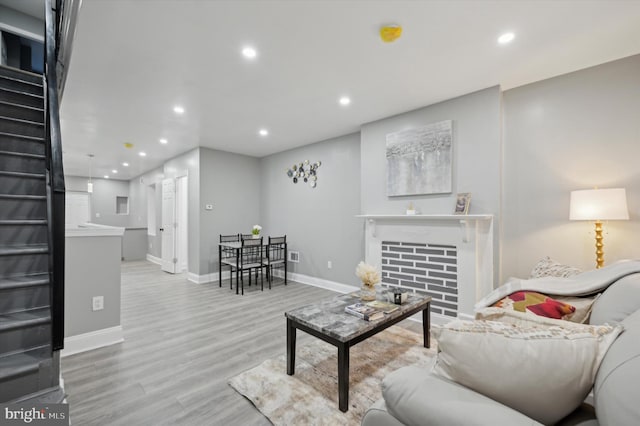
178	109
345	100
142	154
263	132
114	171
506	38
106	176
125	164
164	141
249	52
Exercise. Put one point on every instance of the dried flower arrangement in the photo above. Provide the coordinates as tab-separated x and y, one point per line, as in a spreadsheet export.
368	274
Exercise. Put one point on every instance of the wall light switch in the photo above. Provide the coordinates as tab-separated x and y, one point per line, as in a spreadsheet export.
208	207
98	303
329	264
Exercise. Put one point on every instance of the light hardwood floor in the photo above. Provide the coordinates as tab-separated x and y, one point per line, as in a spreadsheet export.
183	341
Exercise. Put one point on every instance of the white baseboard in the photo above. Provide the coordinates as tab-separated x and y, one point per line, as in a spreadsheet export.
92	340
207	278
316	282
466	317
154	259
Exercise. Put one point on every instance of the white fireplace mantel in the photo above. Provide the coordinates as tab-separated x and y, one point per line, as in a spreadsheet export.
467	222
471	234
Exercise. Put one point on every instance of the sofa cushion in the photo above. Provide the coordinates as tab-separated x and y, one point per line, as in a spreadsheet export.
616	386
378	415
506	362
620	300
535	303
416	397
548	267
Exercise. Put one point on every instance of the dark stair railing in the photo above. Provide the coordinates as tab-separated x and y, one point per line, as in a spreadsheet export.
54	172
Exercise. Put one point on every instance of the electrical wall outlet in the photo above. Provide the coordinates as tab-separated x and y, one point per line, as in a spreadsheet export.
208	207
329	264
97	214
98	303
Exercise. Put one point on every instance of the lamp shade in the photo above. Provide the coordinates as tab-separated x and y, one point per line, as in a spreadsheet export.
599	204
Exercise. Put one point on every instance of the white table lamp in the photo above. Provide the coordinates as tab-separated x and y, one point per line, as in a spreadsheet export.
598	205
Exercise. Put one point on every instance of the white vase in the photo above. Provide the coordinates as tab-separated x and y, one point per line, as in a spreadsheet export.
255	236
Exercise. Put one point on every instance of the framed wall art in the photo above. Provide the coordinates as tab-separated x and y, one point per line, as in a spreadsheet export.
419	160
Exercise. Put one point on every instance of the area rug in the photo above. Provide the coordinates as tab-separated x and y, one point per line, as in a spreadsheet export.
310	397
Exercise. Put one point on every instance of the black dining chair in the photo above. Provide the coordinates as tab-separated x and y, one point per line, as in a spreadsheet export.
227	256
251	259
276	256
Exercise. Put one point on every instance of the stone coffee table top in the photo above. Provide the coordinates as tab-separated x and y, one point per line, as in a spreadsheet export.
329	318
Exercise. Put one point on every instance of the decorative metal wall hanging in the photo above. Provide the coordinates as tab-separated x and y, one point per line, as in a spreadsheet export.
305	171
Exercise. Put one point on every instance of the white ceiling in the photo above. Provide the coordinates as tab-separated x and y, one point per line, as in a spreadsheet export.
134	60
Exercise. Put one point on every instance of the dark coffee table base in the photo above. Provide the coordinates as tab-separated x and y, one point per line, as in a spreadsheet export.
343	347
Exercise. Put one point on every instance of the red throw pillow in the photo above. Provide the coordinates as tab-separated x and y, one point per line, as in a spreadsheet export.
537	303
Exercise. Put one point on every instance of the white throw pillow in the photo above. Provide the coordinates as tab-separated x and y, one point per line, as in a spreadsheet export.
548	267
543	371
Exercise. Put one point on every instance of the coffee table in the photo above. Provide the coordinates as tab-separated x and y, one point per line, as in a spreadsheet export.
327	321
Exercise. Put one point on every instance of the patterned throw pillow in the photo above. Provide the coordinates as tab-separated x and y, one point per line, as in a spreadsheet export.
548	267
536	303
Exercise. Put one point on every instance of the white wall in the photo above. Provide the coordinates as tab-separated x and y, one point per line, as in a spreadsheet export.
476	158
319	222
575	131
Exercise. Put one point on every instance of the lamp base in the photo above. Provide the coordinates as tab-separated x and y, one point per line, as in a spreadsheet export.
599	246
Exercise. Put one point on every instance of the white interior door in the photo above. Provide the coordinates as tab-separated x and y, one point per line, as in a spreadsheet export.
168	228
182	219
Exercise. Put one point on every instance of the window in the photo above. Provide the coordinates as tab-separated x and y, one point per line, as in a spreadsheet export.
122	205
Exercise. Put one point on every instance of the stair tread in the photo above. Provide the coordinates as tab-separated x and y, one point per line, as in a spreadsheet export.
20	120
23	222
31	83
22	106
22	281
23	154
21	319
22	174
23	197
7	70
18	365
31	138
23	249
20	92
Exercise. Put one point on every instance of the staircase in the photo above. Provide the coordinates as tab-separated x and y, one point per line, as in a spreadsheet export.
29	366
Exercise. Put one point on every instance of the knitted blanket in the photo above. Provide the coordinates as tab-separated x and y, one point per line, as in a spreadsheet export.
583	284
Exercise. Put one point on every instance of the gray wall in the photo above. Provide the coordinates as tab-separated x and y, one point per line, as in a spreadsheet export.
319	222
92	268
476	158
575	131
103	198
230	182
